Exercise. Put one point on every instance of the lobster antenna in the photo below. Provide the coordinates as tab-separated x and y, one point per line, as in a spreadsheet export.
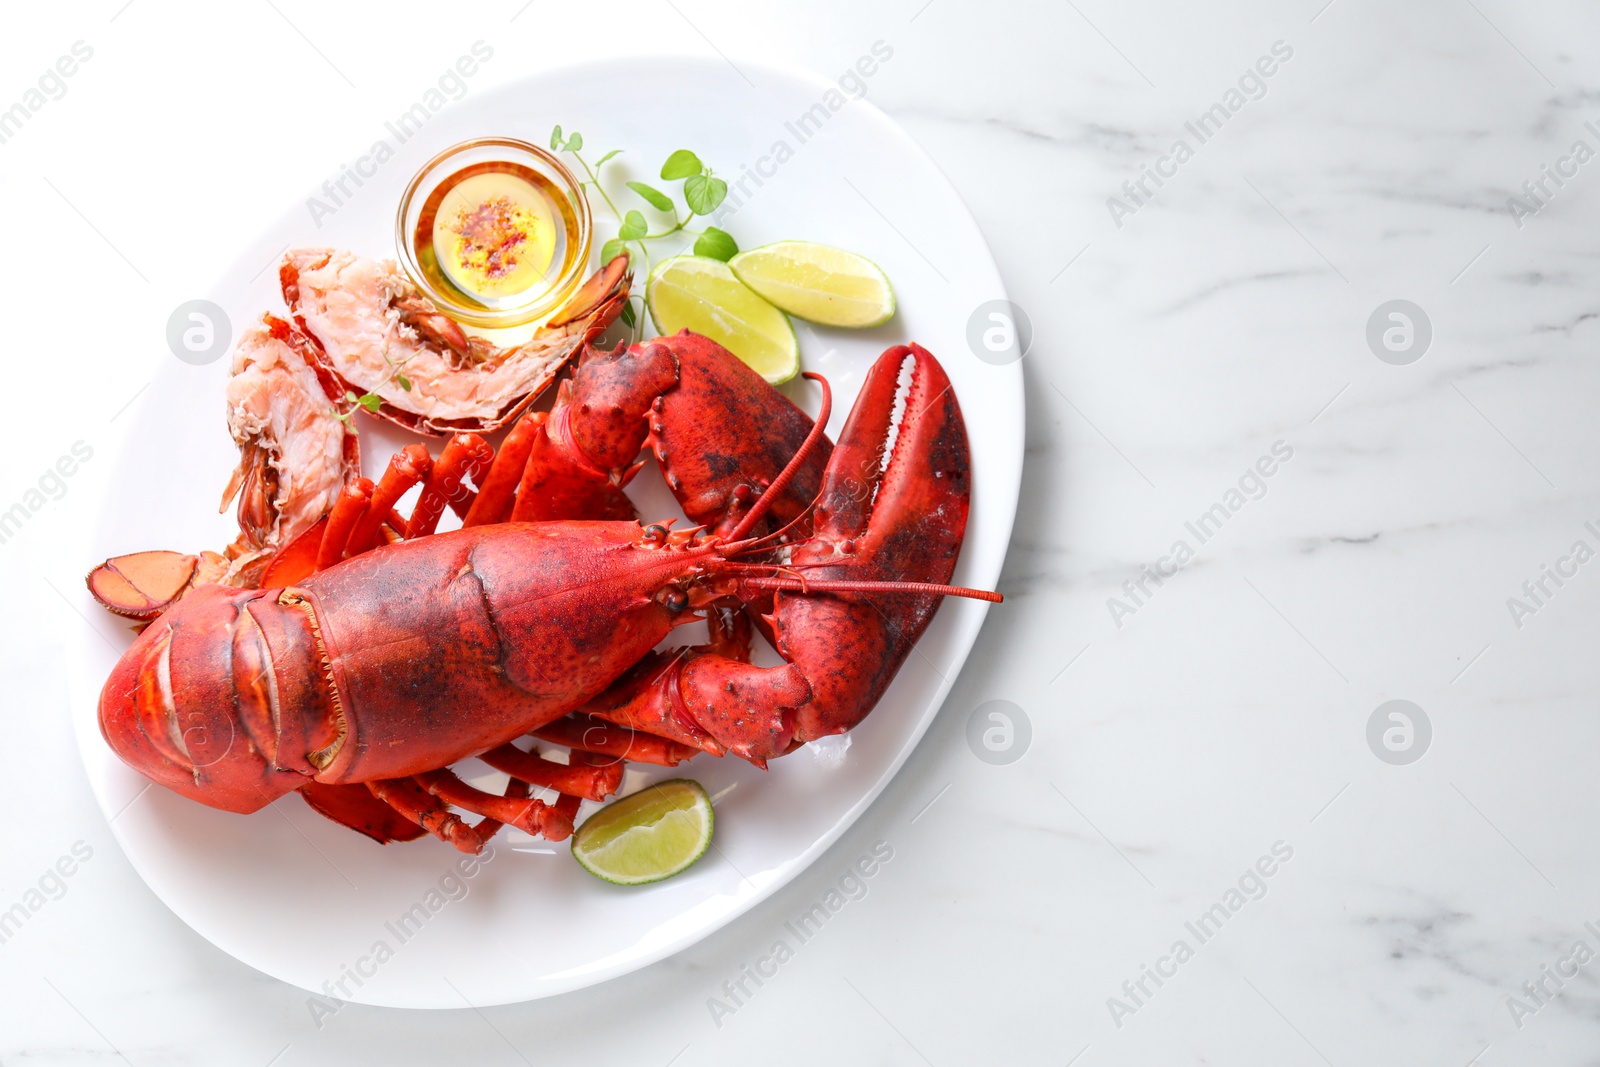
781	482
755	544
845	585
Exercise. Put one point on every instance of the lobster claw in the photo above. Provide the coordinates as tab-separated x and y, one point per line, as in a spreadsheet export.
898	517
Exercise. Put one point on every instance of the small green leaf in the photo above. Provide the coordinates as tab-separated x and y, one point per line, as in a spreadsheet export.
403	381
349	394
555	139
681	164
633	227
628	318
612	249
607	156
718	244
694	191
704	194
654	197
371	401
574	142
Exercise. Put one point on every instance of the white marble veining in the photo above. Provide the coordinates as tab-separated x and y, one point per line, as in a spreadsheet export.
1227	714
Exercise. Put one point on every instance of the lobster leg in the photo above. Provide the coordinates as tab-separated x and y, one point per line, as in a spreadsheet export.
581	778
540	475
356	807
348	509
497	491
362	508
361	809
567	806
427	811
322	545
487	828
407	467
465	456
531	816
587	734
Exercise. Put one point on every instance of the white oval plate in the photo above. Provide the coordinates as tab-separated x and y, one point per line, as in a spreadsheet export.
309	902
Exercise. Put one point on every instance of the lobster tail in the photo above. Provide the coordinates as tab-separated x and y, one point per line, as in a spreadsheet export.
236	739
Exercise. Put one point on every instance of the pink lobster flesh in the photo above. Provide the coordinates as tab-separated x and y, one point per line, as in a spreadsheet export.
387	666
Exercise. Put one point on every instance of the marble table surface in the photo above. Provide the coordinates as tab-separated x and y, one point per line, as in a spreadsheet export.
1263	502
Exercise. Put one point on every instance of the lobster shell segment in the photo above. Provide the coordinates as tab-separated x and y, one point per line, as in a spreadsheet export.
723	428
140	585
355	806
213	735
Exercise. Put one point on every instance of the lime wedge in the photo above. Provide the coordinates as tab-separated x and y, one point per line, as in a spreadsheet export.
647	836
701	294
818	283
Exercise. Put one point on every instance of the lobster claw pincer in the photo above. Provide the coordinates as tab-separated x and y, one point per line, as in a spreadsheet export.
851	600
886	514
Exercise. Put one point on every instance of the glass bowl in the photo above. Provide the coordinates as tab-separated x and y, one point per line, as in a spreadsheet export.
525	165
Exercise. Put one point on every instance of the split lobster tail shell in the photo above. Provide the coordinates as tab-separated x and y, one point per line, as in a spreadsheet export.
366	322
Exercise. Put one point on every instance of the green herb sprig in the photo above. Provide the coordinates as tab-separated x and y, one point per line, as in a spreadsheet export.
703	193
370	401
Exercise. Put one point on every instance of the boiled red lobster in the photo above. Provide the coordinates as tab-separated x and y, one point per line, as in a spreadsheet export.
379	652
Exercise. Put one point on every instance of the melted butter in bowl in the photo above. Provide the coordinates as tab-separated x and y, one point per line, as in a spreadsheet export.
495	232
495	236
